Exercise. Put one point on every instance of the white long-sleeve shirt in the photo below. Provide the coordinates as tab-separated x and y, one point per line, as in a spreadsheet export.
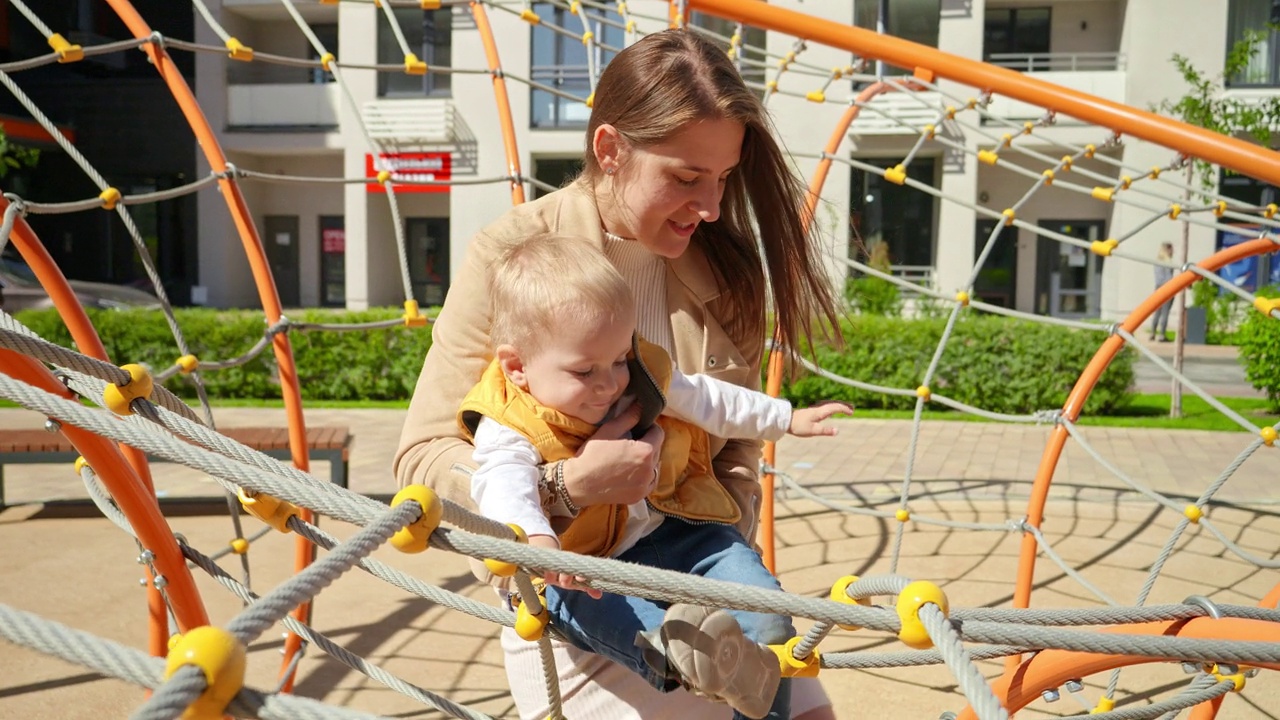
505	483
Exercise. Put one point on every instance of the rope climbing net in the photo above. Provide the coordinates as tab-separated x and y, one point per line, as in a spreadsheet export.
1222	643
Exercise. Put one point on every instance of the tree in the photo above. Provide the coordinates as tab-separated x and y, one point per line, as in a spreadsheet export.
1207	105
15	157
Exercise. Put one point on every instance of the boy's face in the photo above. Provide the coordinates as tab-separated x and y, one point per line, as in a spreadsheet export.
580	370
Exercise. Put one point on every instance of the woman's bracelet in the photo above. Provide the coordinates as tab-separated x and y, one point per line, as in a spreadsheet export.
562	492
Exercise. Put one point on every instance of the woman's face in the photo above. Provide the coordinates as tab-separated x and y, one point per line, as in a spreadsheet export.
659	194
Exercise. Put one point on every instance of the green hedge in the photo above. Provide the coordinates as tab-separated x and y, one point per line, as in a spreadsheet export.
1259	341
364	365
994	363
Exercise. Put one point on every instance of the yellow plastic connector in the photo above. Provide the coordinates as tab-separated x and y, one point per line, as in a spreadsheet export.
1266	306
272	511
930	131
1089	150
1104	247
1126	182
1237	679
117	398
413	317
1006	140
1268	436
631	26
951	112
902	515
187	363
1027	127
1067	161
791	665
971	103
1104	194
326	60
414	66
67	51
1270	211
837	73
1193	513
575	7
1155	173
239	546
174	639
988	156
587	37
1105	704
962	297
771	86
840	594
924	393
530	626
816	96
1048	177
383	176
622	10
590	101
1174	211
1009	215
430	4
414	537
221	657
238	50
81	464
530	17
913	597
109	198
1220	208
896	174
501	568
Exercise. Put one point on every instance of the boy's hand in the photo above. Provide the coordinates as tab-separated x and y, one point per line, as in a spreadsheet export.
562	580
807	422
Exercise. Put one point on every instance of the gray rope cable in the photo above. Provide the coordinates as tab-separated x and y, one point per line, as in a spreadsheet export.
16	207
911	658
1043	543
1165	648
1200	690
972	684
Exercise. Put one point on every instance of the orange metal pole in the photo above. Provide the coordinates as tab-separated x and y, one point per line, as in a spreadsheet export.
766	540
135	500
1239	155
289	388
1051	668
502	100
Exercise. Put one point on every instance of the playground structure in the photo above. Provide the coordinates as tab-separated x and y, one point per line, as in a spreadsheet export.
1219	638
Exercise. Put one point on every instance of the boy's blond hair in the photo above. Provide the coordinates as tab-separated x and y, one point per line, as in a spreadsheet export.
543	282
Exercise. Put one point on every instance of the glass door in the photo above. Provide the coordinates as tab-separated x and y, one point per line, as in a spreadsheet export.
1069	278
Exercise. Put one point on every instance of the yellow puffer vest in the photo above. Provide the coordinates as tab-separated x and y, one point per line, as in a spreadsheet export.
687	487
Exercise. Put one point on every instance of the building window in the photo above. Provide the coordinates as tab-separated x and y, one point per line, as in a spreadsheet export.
898	215
429	34
556	172
428	246
560	62
1011	35
327	34
914	20
1251	16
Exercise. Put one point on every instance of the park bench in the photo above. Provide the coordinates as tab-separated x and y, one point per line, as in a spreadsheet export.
332	444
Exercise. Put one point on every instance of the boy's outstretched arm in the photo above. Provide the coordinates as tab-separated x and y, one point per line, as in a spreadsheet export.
807	422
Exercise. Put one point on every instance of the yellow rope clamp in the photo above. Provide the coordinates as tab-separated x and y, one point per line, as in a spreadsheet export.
902	515
1028	127
430	4
239	546
272	511
924	393
414	66
238	50
1270	211
1066	163
530	17
575	6
221	657
187	363
1006	140
1105	704
501	568
1193	513
631	26
896	174
1089	150
383	176
1220	208
951	112
1125	182
1104	247
840	594
1268	436
325	60
413	538
67	52
817	96
412	316
1174	211
590	101
1048	177
1009	216
930	132
530	626
988	156
1155	173
962	297
81	464
913	597
1237	678
587	37
1103	194
771	86
117	398
793	666
1266	306
109	198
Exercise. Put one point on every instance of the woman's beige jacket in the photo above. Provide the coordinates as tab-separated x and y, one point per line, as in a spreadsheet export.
432	451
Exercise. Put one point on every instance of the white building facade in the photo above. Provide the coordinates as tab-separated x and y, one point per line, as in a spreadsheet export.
334	245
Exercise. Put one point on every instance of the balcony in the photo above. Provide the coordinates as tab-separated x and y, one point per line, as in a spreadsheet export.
897	113
423	122
283	106
1059	62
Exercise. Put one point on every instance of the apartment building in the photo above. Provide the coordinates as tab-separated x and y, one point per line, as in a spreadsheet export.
334	245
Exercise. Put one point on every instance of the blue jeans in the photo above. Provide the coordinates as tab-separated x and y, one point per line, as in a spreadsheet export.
608	626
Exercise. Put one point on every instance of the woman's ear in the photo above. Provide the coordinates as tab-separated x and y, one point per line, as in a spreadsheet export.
606	145
512	365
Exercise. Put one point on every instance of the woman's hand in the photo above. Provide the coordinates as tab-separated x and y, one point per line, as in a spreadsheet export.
808	421
611	468
559	579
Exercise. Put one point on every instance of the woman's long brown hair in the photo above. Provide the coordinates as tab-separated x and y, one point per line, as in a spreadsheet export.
649	93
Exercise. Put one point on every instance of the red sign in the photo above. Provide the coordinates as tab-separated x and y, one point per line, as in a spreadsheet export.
333	240
409	167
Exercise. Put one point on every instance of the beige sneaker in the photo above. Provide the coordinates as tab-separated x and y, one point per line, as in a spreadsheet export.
707	647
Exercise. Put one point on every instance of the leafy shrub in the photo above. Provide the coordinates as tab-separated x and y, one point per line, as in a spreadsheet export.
359	365
995	363
1259	341
871	295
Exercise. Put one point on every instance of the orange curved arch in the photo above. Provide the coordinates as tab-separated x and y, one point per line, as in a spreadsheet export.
1238	155
1052	668
304	552
502	100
